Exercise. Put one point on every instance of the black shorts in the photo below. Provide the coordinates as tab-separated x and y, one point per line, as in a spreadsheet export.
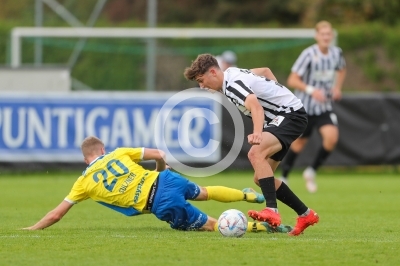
317	121
287	127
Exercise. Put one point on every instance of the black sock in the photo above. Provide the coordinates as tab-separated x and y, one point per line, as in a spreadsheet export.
267	186
286	196
321	156
288	163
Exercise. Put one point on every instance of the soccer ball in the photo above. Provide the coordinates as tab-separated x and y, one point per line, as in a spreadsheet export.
232	223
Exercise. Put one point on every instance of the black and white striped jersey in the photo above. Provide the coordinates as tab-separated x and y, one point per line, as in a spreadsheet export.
318	70
273	97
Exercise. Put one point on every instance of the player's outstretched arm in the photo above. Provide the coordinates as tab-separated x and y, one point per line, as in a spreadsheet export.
265	72
52	217
158	156
257	114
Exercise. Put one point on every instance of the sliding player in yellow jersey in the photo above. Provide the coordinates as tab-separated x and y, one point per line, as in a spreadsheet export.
117	181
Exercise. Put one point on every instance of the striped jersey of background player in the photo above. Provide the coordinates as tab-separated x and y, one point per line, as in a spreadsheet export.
317	76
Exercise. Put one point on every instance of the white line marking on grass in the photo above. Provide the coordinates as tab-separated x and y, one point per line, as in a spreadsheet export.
24	236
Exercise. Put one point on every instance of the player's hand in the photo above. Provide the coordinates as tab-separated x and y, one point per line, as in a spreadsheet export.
336	94
255	138
166	167
27	228
319	95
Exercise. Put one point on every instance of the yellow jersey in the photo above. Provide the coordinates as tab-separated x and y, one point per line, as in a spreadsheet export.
115	180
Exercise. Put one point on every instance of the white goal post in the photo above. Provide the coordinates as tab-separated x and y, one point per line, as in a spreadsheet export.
183	33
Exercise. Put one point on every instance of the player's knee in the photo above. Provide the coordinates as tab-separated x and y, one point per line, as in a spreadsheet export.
334	140
298	145
250	156
203	195
329	145
254	157
330	142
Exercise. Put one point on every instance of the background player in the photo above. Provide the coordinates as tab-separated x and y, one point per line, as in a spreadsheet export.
313	76
278	119
226	60
116	181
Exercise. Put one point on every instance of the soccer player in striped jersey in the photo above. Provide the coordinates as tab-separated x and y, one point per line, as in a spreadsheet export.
317	76
116	180
278	119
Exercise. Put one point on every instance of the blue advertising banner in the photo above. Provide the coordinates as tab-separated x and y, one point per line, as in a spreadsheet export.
51	127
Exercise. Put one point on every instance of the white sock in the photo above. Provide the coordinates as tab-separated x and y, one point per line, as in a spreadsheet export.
274	209
306	213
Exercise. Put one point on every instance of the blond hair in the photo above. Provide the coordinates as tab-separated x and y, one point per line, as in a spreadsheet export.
200	66
91	146
322	24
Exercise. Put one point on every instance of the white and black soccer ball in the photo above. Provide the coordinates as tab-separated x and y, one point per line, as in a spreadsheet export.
232	223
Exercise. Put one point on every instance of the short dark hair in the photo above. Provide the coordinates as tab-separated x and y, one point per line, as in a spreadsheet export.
200	66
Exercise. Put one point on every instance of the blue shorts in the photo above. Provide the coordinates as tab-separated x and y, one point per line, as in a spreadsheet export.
170	203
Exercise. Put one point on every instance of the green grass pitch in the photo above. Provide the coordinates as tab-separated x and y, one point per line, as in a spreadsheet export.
359	224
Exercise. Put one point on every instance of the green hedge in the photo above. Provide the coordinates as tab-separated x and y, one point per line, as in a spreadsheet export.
4	44
120	64
369	37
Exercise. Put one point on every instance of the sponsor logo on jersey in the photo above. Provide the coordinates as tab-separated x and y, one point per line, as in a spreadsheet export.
139	188
196	224
276	121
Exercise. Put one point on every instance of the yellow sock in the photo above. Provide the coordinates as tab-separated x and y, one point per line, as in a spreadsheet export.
224	194
251	227
255	227
216	227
